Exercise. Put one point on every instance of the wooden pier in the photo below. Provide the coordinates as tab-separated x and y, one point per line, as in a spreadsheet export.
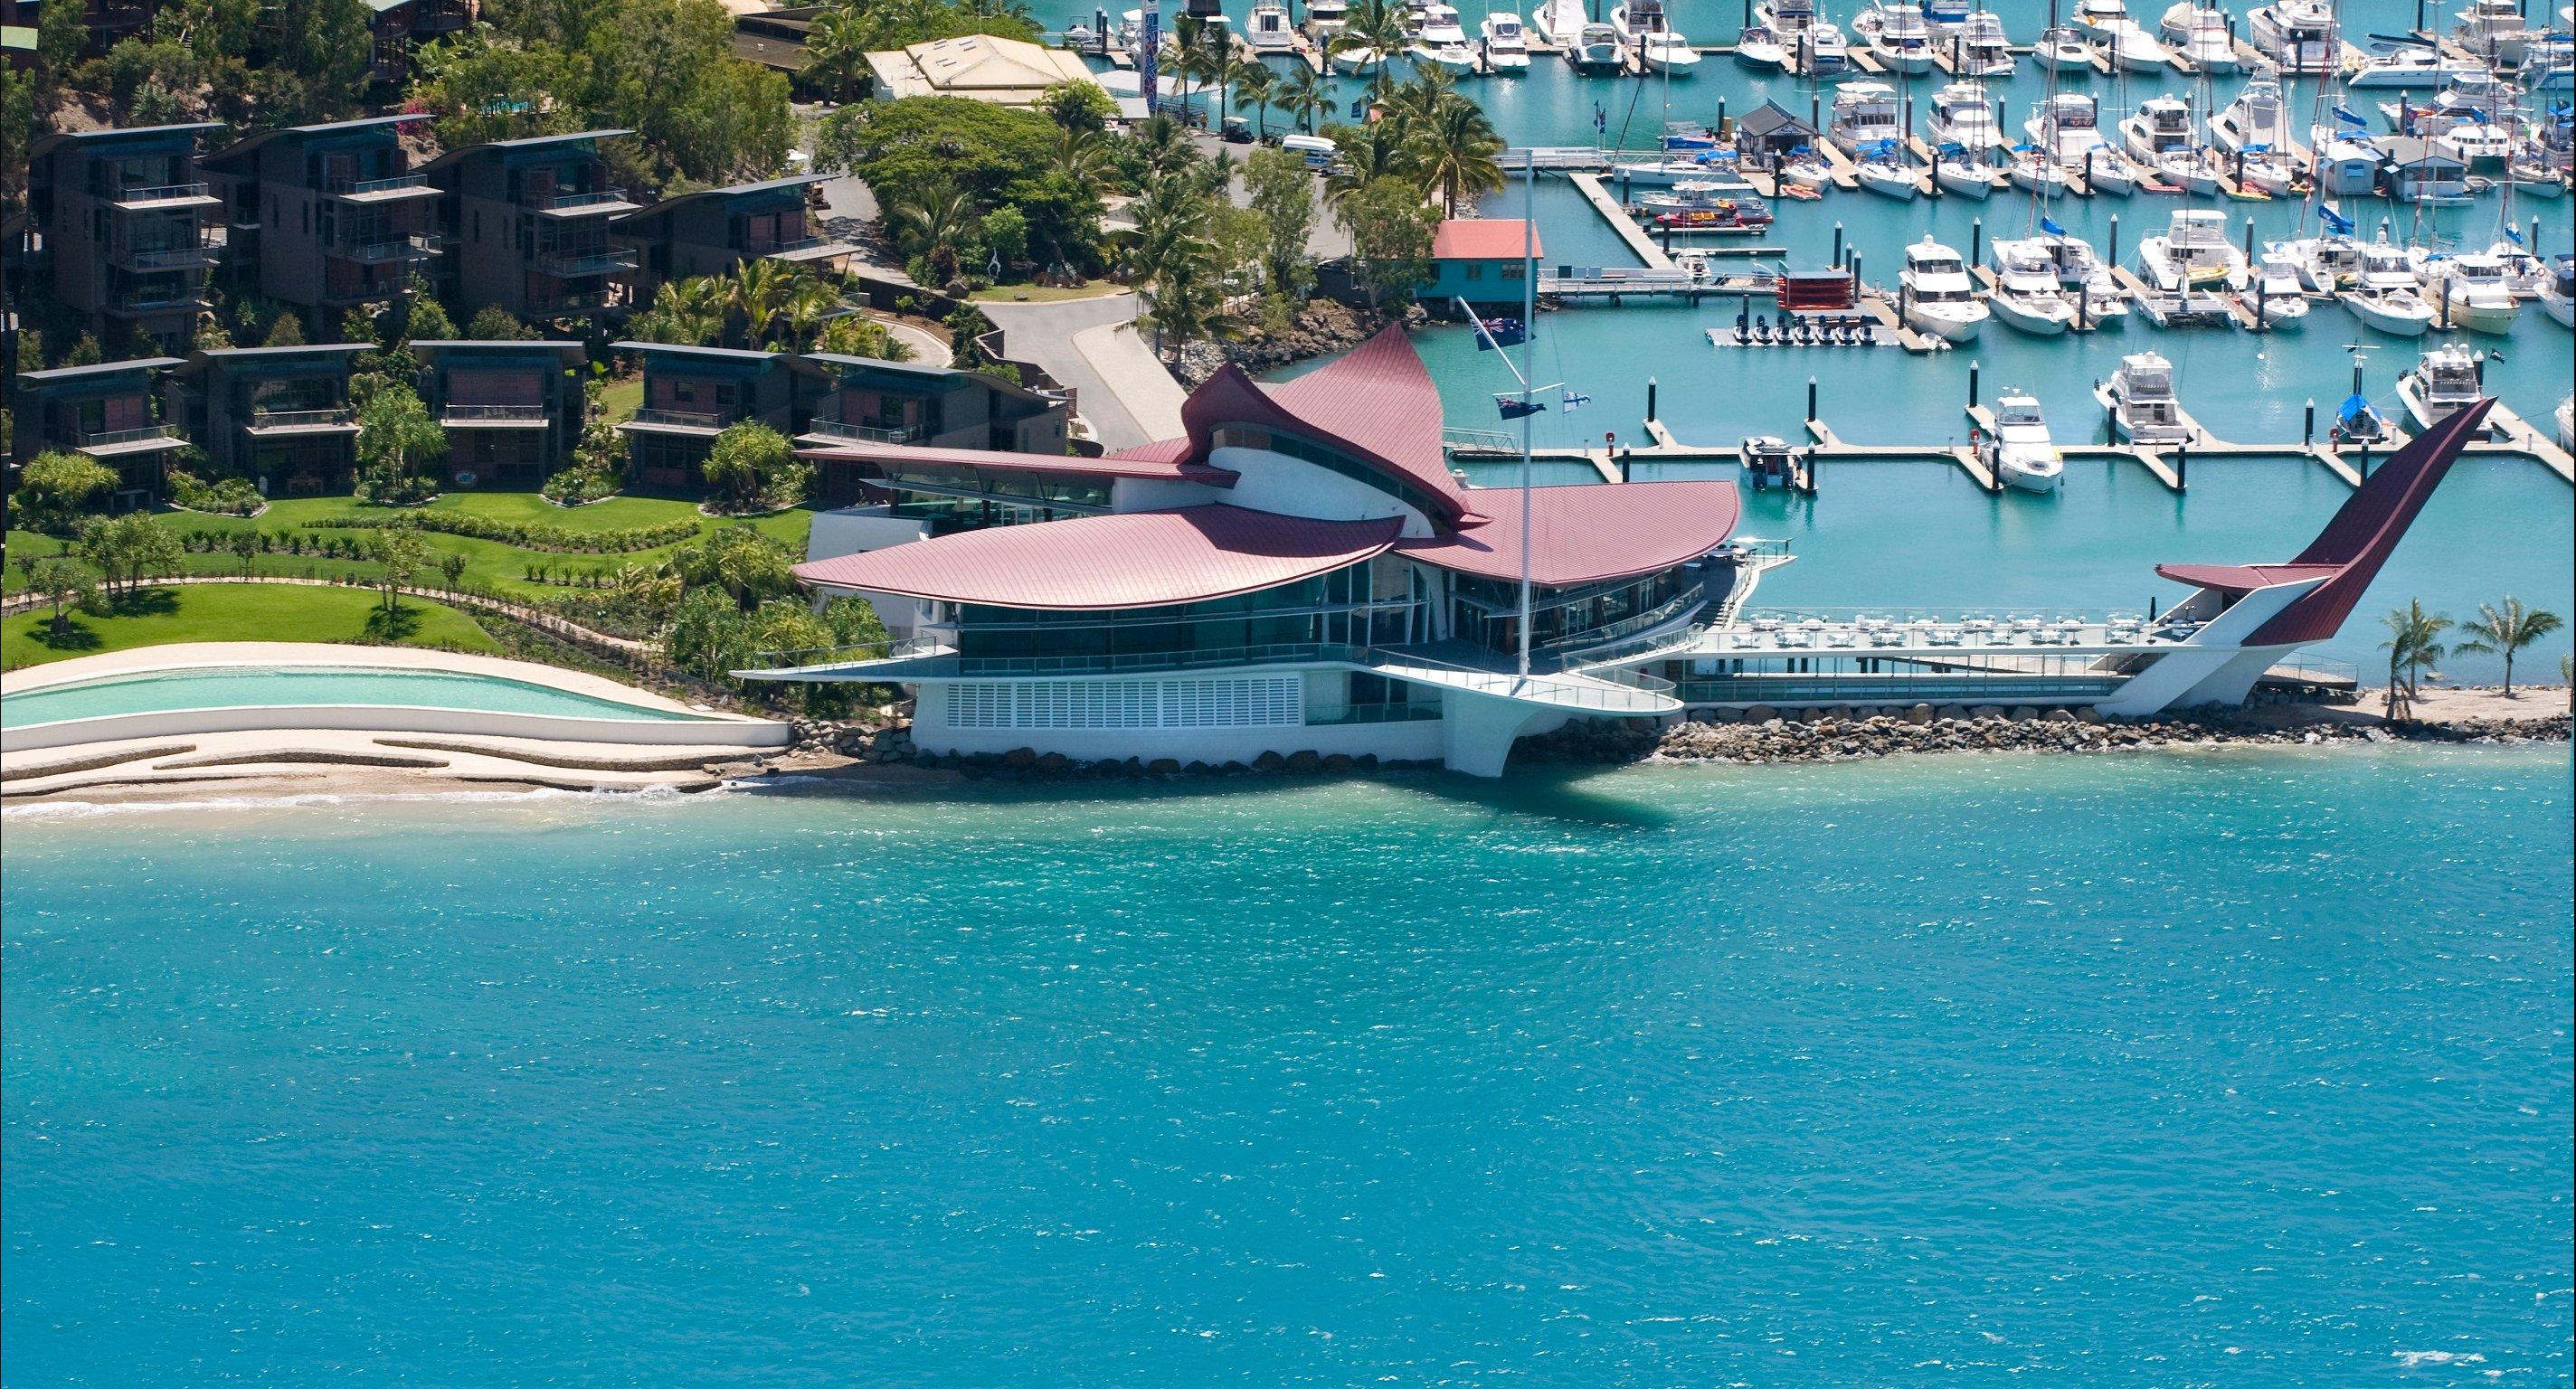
1642	245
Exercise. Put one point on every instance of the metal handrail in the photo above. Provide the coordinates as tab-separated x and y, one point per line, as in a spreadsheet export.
139	303
406	247
680	419
171	257
777	247
535	413
587	262
355	187
296	419
875	434
104	438
168	192
559	202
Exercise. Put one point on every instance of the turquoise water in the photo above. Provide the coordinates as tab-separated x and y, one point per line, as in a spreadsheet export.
1919	534
240	687
1976	1072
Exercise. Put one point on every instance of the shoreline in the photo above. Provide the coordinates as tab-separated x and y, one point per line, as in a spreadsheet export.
248	771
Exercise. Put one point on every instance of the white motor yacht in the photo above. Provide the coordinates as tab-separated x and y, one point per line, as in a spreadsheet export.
2469	293
2567	423
1760	49
2199	35
1560	22
2298	36
1940	299
1962	116
1896	34
2027	297
1810	171
1596	48
1807	43
2107	170
1981	48
2160	128
2064	127
2063	50
2193	253
2099	17
1864	114
1644	28
2444	383
2494	30
2405	65
2141	398
2034	172
2020	452
1325	18
2326	263
2384	293
2558	293
2070	261
2277	296
2136	50
1506	46
2256	117
1270	31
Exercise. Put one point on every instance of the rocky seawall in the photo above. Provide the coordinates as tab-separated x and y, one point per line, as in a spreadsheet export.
1321	328
1801	736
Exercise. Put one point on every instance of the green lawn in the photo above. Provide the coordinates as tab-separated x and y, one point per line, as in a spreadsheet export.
619	400
238	612
488	563
1049	294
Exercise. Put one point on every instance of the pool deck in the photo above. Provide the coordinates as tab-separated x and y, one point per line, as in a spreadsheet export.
198	655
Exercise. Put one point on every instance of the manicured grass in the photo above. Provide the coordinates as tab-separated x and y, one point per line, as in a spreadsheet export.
239	612
1049	294
489	564
619	400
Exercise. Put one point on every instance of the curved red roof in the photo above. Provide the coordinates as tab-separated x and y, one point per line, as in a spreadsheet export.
1589	534
1137	463
2348	553
1375	402
1135	559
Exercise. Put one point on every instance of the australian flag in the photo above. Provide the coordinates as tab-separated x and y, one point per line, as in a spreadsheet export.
1514	407
1573	402
1500	332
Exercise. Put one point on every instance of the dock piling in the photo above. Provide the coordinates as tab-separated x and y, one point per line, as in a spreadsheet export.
2182	466
1838	243
1811	399
2307	431
2249	245
1976	239
2114	257
1650	401
1973	369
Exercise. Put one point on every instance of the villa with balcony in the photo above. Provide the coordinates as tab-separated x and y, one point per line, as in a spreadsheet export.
711	231
325	217
692	394
512	410
527	227
867	401
109	411
279	416
125	217
1300	572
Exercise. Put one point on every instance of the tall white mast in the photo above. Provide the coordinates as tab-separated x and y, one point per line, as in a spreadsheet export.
1529	334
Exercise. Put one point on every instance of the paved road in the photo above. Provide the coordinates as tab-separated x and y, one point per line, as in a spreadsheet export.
1126	394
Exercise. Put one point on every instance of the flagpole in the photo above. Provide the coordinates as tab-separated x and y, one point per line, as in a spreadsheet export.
1529	333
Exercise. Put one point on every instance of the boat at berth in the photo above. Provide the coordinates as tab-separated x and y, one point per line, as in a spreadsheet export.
2141	397
2020	451
1506	47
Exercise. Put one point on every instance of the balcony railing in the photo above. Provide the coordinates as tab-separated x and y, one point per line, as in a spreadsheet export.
492	414
570	202
781	246
168	257
867	433
590	301
154	301
165	193
680	419
110	438
362	187
592	261
337	415
408	247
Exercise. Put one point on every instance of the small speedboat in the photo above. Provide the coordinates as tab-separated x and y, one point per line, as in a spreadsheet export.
2276	294
1759	48
2063	50
2020	452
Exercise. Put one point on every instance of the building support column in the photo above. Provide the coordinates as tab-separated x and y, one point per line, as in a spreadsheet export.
1477	731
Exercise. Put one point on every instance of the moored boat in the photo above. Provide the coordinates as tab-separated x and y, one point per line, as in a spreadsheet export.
1939	297
2020	451
2446	381
2140	395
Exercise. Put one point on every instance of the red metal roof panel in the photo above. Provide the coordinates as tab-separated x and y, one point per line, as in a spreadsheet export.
1589	533
1137	463
1485	238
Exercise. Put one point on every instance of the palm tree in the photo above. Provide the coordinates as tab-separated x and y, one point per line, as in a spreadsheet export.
1454	153
1258	87
1367	153
1305	94
1172	258
2505	632
1082	156
836	48
809	307
688	312
1420	99
933	226
1376	25
761	287
2413	643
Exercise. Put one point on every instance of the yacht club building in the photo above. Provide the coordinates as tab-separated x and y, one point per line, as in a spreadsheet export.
1300	571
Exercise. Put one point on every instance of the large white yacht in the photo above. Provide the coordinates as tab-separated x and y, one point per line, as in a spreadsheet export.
1506	46
2298	36
1896	35
1940	299
2065	126
2193	253
1864	113
2470	292
2384	294
2141	399
2444	383
2200	35
1270	31
1647	30
2494	30
2161	127
1962	116
2256	117
2027	297
2133	49
2020	452
2405	65
1981	48
2070	261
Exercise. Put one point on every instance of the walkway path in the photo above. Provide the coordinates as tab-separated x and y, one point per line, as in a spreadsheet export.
1092	346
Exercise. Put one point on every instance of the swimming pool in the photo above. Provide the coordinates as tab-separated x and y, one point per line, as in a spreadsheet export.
246	687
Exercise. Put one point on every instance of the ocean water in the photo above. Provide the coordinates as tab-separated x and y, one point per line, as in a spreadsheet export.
2244	1068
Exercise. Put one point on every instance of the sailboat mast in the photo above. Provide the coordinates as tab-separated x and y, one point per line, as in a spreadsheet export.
1529	364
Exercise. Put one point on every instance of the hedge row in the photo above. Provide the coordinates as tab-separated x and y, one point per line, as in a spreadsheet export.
560	539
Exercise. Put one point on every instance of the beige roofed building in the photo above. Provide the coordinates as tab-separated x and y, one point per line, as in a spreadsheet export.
1007	72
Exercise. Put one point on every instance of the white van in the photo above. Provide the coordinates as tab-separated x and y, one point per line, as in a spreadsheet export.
1319	151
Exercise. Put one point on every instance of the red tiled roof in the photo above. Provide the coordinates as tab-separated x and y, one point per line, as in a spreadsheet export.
1138	463
1376	401
1485	238
1587	534
1134	559
2355	543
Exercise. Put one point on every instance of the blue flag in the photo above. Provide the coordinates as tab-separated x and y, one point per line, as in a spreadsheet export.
1572	402
2049	225
2335	219
1500	332
1515	408
2345	115
2513	236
